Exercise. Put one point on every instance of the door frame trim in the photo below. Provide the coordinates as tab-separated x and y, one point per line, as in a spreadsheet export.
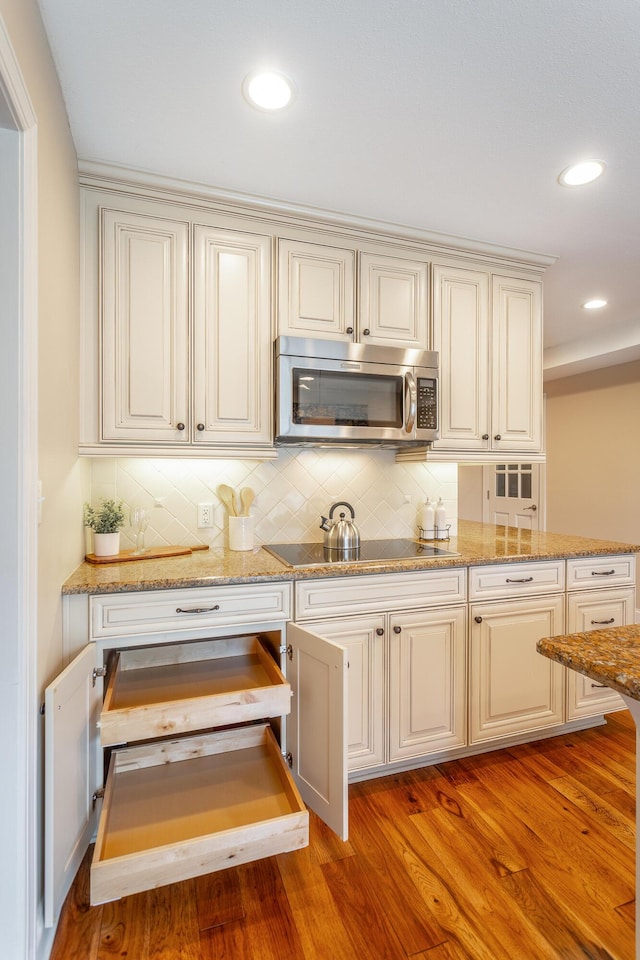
21	922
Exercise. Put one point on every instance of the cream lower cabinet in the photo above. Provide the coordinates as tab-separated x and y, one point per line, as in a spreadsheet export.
595	611
512	688
600	594
190	699
407	667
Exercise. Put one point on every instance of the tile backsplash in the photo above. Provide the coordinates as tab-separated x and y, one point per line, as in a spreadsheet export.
291	494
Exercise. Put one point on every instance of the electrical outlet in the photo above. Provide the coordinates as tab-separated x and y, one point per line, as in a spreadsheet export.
205	515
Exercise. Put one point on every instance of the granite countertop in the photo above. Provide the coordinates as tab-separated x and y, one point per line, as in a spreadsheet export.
475	544
610	656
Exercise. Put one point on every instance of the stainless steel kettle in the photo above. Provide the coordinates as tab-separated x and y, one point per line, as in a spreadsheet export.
341	536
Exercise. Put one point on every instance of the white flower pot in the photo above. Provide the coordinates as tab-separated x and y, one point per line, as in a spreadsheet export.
106	544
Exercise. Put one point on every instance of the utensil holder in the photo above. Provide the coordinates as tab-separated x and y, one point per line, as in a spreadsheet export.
240	533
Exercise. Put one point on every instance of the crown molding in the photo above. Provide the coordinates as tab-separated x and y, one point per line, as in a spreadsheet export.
112	176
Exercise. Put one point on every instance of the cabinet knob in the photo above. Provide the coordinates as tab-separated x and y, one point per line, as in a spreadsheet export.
180	426
349	329
200	427
478	619
485	436
497	437
397	629
380	631
366	332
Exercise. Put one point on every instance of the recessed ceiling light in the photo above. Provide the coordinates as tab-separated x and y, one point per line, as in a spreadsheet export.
268	90
594	304
580	173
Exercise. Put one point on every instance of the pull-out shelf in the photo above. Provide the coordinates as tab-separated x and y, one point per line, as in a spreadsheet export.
165	690
179	808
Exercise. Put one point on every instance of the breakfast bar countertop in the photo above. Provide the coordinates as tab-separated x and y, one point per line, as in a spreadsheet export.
475	544
610	656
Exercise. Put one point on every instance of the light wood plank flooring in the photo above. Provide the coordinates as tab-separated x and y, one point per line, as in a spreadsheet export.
522	854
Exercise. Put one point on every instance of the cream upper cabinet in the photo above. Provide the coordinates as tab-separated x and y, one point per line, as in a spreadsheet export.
317	295
516	401
145	324
393	301
316	291
461	337
488	332
232	337
182	339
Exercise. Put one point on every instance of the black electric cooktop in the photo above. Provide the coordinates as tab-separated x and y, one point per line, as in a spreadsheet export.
370	551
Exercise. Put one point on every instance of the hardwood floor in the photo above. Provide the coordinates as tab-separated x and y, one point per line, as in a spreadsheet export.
524	853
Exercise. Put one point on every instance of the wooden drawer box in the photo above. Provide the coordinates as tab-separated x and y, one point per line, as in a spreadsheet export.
597	572
495	581
176	809
183	687
175	612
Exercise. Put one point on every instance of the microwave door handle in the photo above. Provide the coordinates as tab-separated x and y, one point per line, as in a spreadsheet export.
410	384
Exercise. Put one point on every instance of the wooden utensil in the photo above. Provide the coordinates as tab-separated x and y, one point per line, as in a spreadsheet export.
247	497
228	497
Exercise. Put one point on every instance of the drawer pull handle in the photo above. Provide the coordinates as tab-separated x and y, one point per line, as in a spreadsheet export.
602	573
599	686
197	609
521	580
604	623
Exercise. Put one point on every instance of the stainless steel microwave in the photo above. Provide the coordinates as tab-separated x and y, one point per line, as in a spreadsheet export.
331	392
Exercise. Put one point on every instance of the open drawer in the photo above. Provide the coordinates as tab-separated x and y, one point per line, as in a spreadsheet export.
164	690
181	808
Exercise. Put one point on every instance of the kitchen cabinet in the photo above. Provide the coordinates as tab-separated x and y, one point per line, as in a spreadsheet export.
407	667
197	693
427	682
317	294
488	331
512	688
591	606
179	354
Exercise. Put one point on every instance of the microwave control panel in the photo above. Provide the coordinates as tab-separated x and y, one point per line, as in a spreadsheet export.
427	414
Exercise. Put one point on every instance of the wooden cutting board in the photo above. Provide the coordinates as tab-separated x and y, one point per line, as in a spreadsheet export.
152	553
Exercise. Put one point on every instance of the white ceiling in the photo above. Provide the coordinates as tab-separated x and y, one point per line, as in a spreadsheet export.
453	116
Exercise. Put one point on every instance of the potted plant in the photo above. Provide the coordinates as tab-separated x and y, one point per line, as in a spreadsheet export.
105	521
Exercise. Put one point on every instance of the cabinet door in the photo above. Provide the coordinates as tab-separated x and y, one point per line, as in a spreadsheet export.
461	337
316	286
513	689
517	365
595	610
144	375
316	727
72	775
363	639
393	307
232	337
427	682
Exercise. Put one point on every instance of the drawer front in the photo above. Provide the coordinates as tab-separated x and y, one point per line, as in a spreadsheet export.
516	579
182	808
183	687
597	572
334	598
172	612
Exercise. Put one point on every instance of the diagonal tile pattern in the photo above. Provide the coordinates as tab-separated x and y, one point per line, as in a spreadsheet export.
292	493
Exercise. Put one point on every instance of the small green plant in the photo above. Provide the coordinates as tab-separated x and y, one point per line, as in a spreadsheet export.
107	518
